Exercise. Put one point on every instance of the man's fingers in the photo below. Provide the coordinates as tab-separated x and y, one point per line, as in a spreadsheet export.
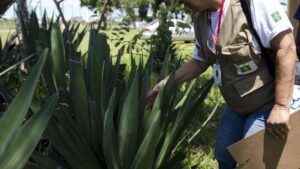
270	130
285	128
281	132
150	100
278	130
152	95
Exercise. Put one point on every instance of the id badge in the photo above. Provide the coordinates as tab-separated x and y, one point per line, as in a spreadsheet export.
217	74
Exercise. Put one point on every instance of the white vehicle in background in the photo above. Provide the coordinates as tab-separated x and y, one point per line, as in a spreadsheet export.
181	31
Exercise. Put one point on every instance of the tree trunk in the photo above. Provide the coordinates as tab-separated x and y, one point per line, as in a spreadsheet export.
131	14
23	12
103	15
156	7
143	10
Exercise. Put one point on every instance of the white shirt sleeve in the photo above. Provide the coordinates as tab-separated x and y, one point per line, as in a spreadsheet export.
196	52
269	19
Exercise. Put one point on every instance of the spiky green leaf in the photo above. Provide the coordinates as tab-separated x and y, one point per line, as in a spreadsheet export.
27	137
79	98
15	114
146	153
110	146
128	128
58	56
173	130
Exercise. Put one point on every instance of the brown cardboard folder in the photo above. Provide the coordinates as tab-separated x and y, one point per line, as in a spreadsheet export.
262	151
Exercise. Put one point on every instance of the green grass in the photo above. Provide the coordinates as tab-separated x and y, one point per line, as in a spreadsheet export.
201	157
114	50
200	152
184	49
7	24
3	36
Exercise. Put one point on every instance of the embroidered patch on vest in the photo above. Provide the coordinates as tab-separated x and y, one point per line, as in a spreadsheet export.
276	16
246	68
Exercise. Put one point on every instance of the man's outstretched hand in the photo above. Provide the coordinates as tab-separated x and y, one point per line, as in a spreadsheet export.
153	93
151	96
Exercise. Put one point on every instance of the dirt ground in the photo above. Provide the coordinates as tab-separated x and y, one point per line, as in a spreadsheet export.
6	30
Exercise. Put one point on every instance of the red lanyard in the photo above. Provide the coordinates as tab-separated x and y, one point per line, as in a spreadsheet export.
214	37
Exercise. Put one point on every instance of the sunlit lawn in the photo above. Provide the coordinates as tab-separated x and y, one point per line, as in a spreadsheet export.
6	27
7	24
3	36
185	49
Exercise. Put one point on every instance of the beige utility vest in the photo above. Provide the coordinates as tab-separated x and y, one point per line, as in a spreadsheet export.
244	93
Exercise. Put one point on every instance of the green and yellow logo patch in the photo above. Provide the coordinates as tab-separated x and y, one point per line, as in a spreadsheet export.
276	16
245	68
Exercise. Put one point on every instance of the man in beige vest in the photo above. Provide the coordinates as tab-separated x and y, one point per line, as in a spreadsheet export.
225	41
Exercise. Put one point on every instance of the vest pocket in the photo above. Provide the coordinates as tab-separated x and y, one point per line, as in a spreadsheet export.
240	53
252	82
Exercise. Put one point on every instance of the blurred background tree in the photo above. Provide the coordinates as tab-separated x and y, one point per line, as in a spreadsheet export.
142	7
24	14
4	5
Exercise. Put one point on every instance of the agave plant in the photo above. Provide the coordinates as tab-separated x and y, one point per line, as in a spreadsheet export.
100	120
